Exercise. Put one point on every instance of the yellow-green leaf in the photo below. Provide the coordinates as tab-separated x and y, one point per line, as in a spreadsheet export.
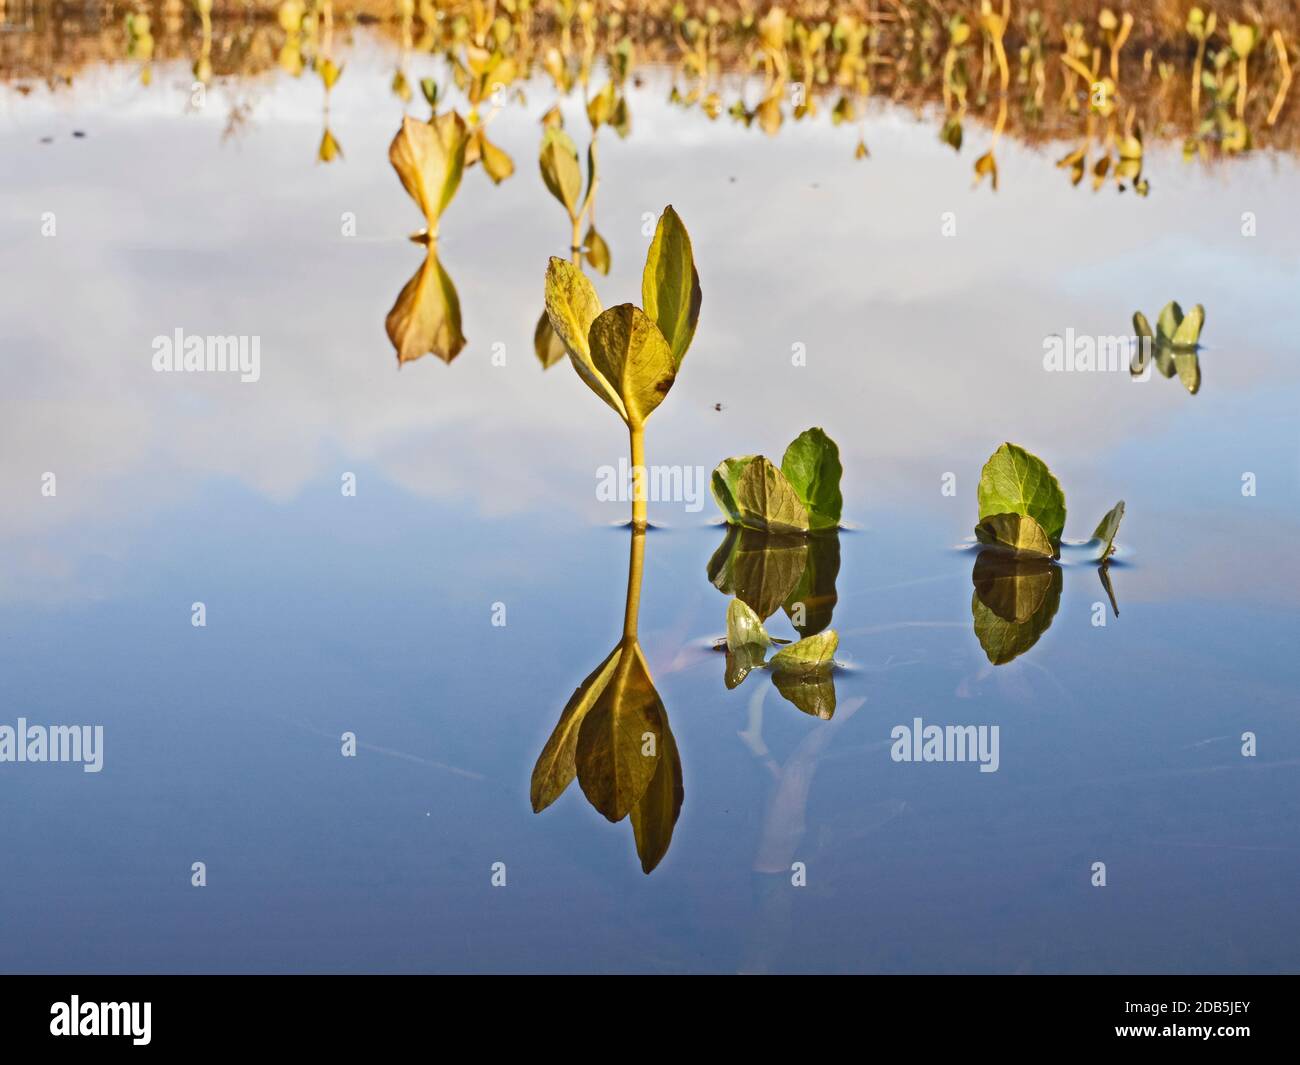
767	501
654	817
1018	533
628	350
429	159
572	306
426	316
560	168
670	285
1108	527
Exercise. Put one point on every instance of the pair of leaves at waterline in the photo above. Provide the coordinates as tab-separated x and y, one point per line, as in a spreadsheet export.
629	356
1022	507
1176	344
771	571
614	737
426	316
802	672
1014	602
803	495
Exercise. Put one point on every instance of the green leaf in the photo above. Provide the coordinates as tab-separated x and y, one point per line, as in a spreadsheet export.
812	466
808	655
1014	602
1015	482
572	306
1171	315
740	663
1141	327
612	770
744	627
560	168
723	484
760	569
670	286
655	816
1108	527
628	350
767	501
556	766
1188	332
1018	533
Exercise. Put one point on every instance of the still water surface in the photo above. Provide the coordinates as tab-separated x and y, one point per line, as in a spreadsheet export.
477	485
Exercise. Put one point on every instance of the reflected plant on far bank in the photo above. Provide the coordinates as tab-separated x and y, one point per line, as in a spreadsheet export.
429	158
627	355
1174	344
1016	576
613	736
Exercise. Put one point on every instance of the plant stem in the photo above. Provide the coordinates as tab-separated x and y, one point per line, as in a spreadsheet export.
575	242
639	477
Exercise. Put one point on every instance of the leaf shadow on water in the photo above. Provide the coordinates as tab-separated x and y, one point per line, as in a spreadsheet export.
613	736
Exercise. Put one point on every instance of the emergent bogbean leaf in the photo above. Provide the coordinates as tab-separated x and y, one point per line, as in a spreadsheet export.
1015	482
560	168
496	163
744	627
1107	528
429	158
426	316
766	500
812	466
596	251
1171	315
628	350
572	306
613	770
724	482
810	655
1017	533
1188	333
654	817
556	765
1014	602
548	347
670	286
1141	327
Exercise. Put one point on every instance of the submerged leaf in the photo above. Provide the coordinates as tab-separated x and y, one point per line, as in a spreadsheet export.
426	316
628	350
670	285
813	693
812	603
812	466
1107	528
767	501
1015	482
1018	533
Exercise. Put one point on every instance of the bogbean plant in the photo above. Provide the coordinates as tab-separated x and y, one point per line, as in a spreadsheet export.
628	355
1022	508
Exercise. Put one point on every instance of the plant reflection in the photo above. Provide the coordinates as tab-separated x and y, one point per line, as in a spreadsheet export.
796	574
613	735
